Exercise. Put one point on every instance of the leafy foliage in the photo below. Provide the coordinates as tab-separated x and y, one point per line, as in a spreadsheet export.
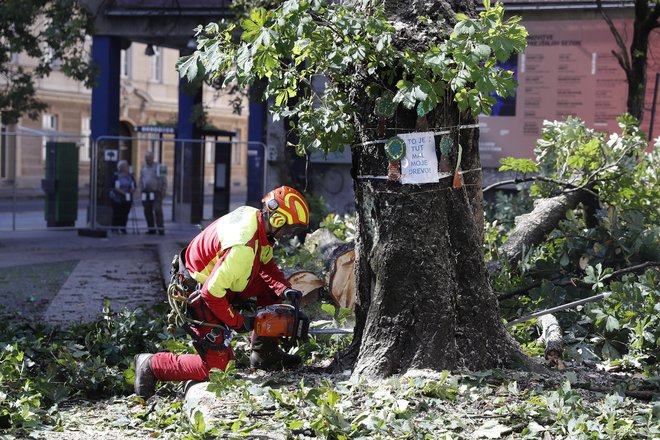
310	52
427	405
44	366
52	32
343	227
577	260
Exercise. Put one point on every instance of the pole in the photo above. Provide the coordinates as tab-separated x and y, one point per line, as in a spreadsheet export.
559	308
655	97
13	187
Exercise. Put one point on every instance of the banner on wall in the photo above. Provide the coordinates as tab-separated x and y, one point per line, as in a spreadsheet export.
567	69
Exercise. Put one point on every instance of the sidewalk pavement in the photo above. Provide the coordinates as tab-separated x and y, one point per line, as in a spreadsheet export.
129	270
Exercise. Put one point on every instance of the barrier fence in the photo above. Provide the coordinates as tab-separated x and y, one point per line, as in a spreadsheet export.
61	181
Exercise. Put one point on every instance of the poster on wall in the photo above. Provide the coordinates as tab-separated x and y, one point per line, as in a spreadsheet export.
567	70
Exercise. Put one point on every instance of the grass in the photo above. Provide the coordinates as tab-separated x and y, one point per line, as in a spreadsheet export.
28	289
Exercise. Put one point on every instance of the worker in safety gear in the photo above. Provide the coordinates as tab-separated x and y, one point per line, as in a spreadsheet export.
230	261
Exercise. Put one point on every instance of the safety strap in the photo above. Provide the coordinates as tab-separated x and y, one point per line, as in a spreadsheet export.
179	298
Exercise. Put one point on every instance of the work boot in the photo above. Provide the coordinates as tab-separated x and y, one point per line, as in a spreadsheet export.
267	355
145	381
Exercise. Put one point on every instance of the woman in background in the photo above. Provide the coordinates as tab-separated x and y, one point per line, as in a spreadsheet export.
121	196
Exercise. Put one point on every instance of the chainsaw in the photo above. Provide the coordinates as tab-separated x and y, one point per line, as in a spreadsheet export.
283	320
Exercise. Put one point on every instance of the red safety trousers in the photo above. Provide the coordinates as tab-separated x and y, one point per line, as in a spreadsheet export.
178	367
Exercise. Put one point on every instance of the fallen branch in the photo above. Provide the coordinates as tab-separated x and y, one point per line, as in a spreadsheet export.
630	269
552	338
635	394
532	228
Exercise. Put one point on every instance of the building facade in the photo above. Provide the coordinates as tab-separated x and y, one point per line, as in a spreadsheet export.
149	93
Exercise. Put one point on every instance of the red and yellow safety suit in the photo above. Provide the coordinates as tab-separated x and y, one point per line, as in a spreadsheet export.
231	257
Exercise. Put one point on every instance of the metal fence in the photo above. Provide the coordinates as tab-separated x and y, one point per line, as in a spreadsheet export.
25	187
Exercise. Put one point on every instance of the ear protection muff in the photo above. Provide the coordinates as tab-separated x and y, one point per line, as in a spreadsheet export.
277	220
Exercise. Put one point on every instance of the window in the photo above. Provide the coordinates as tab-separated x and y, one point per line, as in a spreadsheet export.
157	65
14	58
126	63
48	123
50	55
85	132
209	152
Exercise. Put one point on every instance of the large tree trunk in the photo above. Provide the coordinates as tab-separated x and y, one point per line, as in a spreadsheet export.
424	298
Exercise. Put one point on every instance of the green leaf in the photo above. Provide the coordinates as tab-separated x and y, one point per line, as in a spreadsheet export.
252	27
188	66
491	429
199	425
329	309
611	324
520	165
295	424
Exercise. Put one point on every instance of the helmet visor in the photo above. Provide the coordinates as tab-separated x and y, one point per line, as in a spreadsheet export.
288	231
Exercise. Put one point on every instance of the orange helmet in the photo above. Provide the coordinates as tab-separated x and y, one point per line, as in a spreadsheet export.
287	209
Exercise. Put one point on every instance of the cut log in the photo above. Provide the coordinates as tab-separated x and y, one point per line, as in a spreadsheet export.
341	276
554	344
339	260
305	281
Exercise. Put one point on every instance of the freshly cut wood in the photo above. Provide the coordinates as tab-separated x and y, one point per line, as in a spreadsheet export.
341	276
554	344
305	281
339	260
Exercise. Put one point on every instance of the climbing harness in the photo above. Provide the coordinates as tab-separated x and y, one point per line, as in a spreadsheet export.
182	292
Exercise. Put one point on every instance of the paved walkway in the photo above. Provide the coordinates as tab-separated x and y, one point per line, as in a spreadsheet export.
129	270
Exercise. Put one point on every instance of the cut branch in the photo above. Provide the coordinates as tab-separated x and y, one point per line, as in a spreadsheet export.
567	281
532	228
552	338
539	179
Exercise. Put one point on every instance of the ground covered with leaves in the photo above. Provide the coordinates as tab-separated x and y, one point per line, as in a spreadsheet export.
77	383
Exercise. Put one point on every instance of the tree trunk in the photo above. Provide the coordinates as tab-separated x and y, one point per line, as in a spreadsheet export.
424	298
646	19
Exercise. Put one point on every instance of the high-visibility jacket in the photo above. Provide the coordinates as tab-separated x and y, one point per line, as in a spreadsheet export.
227	256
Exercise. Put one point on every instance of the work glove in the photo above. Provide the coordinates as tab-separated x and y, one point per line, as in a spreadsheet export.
293	296
248	323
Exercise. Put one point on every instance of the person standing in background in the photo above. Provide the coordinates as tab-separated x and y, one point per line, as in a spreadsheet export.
121	196
153	184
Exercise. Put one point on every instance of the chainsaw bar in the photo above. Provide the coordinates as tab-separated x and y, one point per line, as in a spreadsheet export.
330	331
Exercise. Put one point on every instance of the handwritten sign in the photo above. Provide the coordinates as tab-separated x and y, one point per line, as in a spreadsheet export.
421	162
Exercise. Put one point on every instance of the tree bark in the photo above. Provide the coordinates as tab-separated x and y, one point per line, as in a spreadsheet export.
532	228
424	297
552	338
634	63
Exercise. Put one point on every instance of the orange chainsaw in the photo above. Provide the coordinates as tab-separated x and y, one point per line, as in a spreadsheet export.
283	320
